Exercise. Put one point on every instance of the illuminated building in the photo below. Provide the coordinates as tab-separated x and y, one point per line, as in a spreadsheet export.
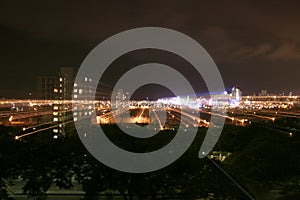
236	93
66	81
263	93
81	91
57	88
45	86
120	97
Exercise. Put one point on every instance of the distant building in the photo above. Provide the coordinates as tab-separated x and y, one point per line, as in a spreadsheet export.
56	87
263	93
81	91
120	96
45	87
236	93
66	82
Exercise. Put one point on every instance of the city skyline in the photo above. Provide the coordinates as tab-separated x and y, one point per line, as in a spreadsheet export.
149	100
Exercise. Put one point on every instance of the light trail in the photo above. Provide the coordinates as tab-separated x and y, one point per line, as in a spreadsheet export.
179	118
48	122
159	122
193	117
224	116
44	129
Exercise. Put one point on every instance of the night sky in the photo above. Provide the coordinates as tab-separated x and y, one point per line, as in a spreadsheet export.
256	45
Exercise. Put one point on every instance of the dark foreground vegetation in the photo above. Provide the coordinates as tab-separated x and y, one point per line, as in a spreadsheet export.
262	161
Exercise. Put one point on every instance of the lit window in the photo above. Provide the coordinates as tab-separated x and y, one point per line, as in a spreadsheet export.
85	79
55	90
75	90
55	113
55	108
60	79
80	91
75	119
55	119
75	84
75	96
55	130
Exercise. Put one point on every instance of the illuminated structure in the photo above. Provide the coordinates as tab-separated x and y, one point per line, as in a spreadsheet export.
263	93
45	86
236	93
55	87
81	91
62	90
66	81
218	99
120	97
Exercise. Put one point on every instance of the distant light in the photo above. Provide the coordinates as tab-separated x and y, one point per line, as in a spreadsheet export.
291	134
10	118
55	137
17	137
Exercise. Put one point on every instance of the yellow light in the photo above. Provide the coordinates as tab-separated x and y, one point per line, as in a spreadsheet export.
10	118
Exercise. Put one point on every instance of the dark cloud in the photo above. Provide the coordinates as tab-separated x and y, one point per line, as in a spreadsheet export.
255	44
